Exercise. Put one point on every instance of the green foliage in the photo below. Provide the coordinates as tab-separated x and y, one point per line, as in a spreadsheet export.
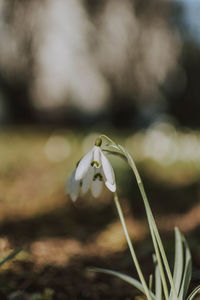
181	276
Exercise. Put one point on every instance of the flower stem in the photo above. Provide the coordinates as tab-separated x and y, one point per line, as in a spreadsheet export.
155	234
108	139
135	260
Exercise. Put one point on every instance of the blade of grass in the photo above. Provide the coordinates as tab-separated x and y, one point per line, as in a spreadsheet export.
10	256
178	262
158	283
187	271
124	277
150	282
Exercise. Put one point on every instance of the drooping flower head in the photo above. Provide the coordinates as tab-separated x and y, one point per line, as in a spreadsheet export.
92	170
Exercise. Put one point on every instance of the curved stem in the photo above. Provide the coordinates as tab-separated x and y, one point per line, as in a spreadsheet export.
154	230
107	138
135	260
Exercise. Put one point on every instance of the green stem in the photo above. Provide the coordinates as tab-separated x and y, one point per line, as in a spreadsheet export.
154	230
108	139
135	260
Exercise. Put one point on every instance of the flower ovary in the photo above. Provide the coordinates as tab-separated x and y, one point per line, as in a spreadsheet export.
98	142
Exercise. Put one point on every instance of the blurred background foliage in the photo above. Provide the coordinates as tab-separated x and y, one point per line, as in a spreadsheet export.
80	62
70	70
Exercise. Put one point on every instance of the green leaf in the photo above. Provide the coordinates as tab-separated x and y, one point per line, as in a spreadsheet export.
150	282
178	262
193	293
187	271
158	283
124	277
10	256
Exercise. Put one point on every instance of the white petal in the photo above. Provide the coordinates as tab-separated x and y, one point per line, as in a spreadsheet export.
96	156
73	186
107	169
87	180
96	188
83	165
111	187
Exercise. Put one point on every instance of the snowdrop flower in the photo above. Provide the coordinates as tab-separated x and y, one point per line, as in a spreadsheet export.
92	170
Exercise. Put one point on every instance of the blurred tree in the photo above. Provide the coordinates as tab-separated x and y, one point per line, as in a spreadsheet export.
72	61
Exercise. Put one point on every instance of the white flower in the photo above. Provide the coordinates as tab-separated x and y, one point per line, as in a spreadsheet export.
95	161
92	170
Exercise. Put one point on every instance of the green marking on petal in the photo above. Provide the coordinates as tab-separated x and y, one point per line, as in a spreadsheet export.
98	176
95	163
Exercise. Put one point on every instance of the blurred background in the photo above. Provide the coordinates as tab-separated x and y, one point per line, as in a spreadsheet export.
69	70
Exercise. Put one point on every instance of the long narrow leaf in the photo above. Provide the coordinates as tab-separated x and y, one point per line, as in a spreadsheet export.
187	271
158	283
124	277
178	262
10	256
150	282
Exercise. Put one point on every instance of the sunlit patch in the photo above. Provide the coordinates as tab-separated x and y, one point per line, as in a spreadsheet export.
57	148
159	145
54	251
165	145
112	238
